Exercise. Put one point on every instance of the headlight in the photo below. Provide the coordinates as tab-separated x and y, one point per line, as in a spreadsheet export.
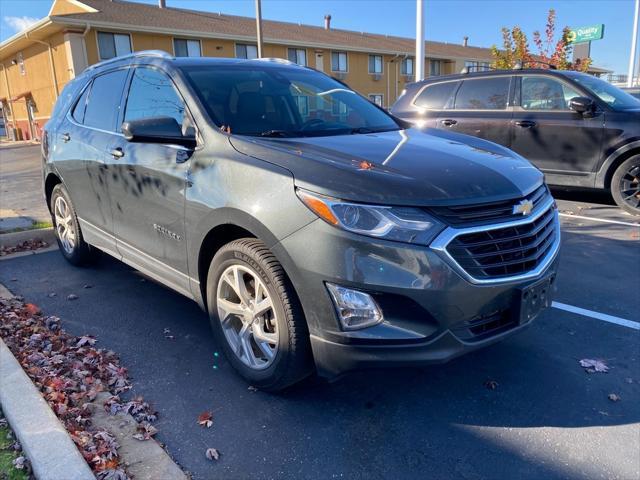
401	224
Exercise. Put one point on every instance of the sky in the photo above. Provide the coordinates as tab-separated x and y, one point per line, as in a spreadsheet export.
445	20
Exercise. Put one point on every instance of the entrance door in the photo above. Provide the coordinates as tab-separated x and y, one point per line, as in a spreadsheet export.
319	62
33	132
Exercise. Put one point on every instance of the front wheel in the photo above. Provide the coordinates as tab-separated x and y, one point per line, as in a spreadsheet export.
256	316
625	185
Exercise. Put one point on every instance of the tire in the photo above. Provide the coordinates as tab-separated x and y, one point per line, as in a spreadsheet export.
68	234
625	185
280	328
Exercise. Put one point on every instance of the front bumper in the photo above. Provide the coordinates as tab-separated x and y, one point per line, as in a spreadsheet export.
431	312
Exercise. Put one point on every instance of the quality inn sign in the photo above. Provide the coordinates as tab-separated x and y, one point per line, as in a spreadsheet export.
586	34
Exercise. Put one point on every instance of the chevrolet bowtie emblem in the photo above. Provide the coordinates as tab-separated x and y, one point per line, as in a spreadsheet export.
525	207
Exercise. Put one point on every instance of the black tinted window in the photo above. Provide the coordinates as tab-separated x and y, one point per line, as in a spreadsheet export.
104	100
436	96
483	94
152	94
78	110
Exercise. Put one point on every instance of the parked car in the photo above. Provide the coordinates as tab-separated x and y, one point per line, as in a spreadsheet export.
315	229
579	130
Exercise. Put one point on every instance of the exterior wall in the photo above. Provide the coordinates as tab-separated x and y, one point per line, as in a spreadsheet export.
37	82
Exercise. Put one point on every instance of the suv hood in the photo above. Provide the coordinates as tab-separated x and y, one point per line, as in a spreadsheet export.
405	167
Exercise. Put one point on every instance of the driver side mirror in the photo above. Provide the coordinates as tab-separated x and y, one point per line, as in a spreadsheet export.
158	130
582	105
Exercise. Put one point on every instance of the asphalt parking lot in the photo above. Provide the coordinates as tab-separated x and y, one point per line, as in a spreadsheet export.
547	418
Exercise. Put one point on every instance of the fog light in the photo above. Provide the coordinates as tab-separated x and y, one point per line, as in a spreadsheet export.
355	309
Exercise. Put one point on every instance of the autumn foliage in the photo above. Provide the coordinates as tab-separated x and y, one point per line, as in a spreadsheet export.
551	52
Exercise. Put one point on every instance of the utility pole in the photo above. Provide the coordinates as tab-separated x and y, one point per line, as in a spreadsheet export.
634	45
419	40
259	27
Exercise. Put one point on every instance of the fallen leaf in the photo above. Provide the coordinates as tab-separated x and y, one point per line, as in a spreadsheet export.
491	384
594	365
86	340
52	294
87	286
251	388
72	296
628	380
212	454
613	397
205	419
20	462
112	474
145	431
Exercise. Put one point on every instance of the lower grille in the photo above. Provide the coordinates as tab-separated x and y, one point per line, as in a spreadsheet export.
508	251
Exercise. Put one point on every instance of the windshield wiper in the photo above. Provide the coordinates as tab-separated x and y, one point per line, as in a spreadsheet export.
275	133
364	130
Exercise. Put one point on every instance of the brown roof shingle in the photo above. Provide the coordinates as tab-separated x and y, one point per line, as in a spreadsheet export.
131	14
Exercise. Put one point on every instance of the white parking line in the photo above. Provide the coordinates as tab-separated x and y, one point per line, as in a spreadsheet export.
600	220
597	315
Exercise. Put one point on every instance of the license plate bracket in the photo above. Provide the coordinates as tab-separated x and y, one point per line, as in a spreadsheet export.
535	298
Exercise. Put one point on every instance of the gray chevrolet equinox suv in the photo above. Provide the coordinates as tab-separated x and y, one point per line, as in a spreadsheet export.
316	230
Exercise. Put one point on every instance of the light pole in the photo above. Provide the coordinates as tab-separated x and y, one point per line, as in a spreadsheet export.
419	40
259	27
634	45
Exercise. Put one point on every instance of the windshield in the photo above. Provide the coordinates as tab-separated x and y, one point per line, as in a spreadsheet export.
283	102
611	95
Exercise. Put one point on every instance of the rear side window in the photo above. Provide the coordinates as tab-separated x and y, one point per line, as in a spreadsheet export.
483	94
104	100
435	97
152	94
79	109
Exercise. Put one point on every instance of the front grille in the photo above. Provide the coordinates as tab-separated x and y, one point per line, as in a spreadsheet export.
483	213
503	252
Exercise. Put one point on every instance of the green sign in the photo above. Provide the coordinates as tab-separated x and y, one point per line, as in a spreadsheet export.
586	34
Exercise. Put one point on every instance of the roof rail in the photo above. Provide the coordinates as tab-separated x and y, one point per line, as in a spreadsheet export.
519	65
478	68
283	61
142	53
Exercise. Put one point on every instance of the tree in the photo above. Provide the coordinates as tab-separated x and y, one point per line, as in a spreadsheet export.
551	53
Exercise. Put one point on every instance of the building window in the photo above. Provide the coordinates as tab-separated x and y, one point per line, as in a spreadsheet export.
435	68
186	48
375	64
23	71
338	108
246	51
339	62
113	45
298	55
376	98
407	66
475	66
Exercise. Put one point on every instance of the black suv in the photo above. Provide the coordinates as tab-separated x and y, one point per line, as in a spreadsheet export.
579	130
315	228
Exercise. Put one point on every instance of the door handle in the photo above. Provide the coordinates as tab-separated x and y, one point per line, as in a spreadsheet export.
117	153
525	123
65	137
448	122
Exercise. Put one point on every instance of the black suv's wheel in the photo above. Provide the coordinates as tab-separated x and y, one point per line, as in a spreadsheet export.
256	316
67	228
625	185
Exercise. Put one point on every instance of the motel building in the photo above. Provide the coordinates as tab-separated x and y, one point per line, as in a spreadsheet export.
38	62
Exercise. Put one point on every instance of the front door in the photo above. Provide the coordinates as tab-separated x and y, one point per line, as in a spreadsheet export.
555	138
481	109
319	62
148	187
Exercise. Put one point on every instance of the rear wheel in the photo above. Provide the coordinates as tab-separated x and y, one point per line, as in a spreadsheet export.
256	316
67	229
625	185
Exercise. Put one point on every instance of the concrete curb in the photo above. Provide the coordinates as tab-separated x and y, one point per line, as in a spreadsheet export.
13	238
45	441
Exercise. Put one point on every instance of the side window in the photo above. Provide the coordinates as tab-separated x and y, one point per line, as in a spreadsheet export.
544	93
152	94
483	94
81	104
436	97
104	100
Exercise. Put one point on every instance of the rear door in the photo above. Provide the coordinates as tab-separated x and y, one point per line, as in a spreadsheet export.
555	138
82	146
481	108
149	182
428	104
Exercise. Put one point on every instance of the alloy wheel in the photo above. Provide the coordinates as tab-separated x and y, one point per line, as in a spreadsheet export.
64	224
247	316
630	186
